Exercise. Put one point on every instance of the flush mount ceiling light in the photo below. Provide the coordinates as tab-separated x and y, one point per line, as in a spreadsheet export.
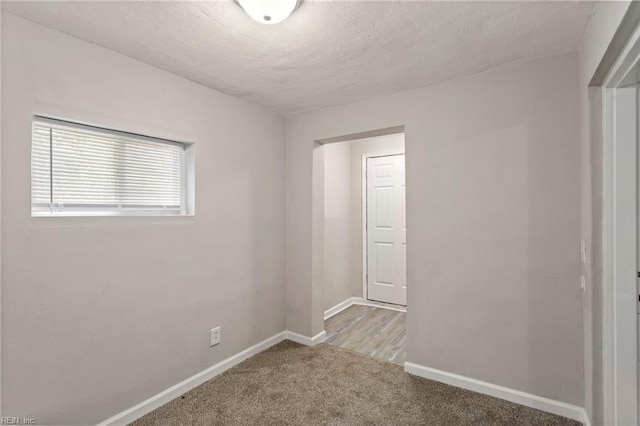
268	11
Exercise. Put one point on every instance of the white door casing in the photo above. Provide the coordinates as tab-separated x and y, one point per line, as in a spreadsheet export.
625	236
620	239
386	230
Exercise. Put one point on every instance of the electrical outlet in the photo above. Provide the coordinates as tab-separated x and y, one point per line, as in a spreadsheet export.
583	252
583	284
215	336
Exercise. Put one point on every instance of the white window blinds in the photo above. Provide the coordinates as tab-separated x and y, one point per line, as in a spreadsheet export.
78	169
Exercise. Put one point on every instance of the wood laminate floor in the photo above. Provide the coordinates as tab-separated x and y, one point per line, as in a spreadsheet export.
378	332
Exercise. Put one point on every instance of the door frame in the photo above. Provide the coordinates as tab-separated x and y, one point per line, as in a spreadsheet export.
620	251
365	235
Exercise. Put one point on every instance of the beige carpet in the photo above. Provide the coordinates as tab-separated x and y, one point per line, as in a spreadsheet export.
291	384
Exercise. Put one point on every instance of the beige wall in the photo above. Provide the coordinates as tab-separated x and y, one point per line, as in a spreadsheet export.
343	213
493	205
604	23
338	262
493	263
99	314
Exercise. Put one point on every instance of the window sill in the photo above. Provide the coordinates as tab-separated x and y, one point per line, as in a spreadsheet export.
107	214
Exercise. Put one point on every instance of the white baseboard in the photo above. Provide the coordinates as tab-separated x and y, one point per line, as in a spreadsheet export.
539	403
365	302
356	301
340	307
518	397
156	401
309	341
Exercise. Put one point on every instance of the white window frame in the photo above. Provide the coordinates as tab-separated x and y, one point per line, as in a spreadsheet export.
81	210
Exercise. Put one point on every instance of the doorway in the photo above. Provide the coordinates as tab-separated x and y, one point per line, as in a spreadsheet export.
364	240
386	229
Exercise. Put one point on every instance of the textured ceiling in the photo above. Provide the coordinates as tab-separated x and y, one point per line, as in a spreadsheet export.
326	53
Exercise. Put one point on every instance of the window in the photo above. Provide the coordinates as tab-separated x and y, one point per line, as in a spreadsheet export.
84	170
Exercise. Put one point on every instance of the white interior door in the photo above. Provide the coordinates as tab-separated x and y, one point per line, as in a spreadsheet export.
386	230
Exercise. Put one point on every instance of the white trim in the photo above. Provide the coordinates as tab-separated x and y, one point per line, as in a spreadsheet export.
364	302
340	307
365	248
334	310
129	415
304	340
627	59
623	291
619	321
608	117
533	401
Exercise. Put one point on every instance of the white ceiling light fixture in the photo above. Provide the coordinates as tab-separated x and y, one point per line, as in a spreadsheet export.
268	11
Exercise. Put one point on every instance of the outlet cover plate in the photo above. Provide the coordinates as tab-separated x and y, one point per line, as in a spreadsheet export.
215	336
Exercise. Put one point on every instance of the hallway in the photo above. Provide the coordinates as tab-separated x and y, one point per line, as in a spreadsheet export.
378	332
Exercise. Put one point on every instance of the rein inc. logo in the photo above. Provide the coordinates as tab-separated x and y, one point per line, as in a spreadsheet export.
13	420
